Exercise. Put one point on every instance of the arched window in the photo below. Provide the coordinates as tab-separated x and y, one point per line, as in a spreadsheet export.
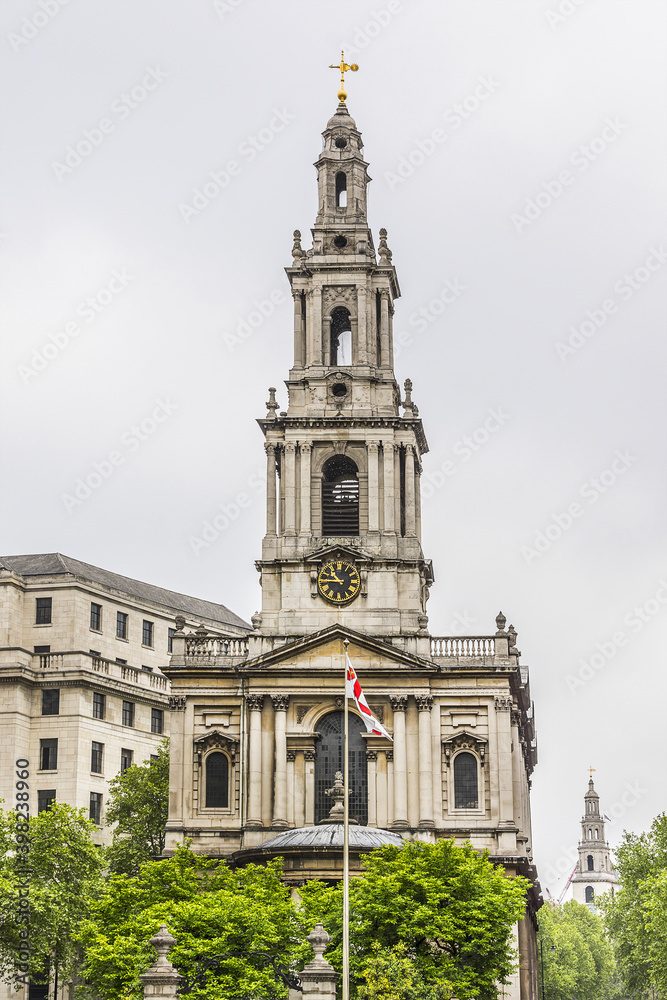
589	862
217	781
341	189
590	833
589	893
340	351
597	833
465	781
340	497
329	759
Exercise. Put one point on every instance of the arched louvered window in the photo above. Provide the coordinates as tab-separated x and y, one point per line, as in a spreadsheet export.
340	350
340	497
589	893
329	759
465	781
589	862
341	189
217	781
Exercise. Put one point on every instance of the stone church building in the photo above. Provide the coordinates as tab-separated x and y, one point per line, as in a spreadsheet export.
256	720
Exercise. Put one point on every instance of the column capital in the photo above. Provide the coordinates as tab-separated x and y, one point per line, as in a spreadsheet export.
290	755
269	447
371	755
309	753
384	292
255	702
290	447
280	702
424	702
372	445
305	446
503	703
399	702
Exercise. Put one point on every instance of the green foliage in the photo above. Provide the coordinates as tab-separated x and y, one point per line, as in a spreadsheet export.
389	974
452	910
209	908
62	872
577	958
138	803
636	917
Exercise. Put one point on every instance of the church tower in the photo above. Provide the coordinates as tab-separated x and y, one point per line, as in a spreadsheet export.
595	873
256	722
343	462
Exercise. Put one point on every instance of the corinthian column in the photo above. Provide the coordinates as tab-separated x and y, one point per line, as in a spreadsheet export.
280	705
410	520
270	489
255	704
388	479
298	331
399	706
290	489
373	490
384	329
424	705
305	489
371	763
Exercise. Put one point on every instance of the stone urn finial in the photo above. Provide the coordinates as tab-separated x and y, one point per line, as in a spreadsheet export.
318	939
384	252
337	793
500	623
179	622
271	404
297	251
163	942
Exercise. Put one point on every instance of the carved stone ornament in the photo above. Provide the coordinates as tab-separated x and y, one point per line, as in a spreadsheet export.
179	621
255	702
339	293
297	252
500	623
290	755
464	741
384	252
371	755
280	702
176	702
217	741
503	703
424	703
399	702
309	753
339	703
516	717
301	713
378	712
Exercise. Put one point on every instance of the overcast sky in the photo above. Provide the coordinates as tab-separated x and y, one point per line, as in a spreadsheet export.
517	151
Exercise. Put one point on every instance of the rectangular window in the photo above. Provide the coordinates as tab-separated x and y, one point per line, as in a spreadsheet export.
96	758
123	662
48	755
96	807
128	713
121	625
42	649
157	720
125	760
147	670
147	633
98	705
51	701
96	617
45	799
43	613
170	640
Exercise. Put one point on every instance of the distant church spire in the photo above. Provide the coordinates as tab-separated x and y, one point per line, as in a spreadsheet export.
595	874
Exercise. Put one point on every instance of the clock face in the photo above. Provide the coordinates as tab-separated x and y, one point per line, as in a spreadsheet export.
338	582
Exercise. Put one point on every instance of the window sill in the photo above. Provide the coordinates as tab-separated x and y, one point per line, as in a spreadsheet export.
97	774
47	770
43	624
97	631
121	639
144	646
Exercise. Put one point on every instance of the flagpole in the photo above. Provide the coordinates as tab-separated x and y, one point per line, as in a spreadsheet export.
346	845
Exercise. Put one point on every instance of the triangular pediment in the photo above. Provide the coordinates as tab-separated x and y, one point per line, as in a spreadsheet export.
327	646
333	552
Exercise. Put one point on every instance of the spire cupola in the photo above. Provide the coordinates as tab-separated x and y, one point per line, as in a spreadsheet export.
342	173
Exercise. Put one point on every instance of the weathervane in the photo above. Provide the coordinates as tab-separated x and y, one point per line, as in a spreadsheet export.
590	772
344	68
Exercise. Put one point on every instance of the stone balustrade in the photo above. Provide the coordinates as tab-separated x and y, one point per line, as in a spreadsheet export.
80	660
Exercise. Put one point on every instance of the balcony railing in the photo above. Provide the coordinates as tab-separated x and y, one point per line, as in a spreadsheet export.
205	646
462	646
10	658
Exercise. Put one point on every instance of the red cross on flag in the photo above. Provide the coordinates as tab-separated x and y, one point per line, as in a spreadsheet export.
354	691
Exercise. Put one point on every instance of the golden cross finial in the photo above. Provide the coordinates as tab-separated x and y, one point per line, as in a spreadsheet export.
590	772
344	68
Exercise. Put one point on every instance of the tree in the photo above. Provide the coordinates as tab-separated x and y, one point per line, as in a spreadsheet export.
210	908
447	904
138	803
58	869
635	917
576	957
390	974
